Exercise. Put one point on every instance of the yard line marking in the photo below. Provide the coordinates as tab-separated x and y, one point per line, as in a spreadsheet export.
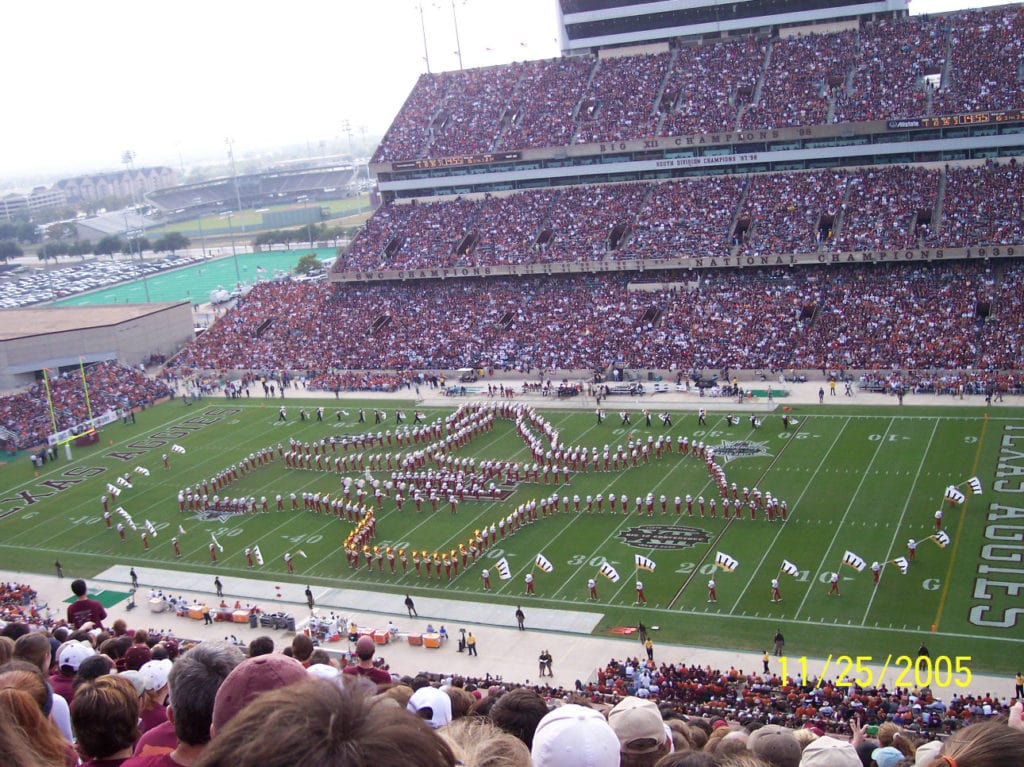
960	527
713	545
906	505
849	506
796	505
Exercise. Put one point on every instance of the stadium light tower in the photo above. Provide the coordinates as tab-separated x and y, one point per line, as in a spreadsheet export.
234	253
304	199
346	127
199	220
458	45
423	29
234	174
128	158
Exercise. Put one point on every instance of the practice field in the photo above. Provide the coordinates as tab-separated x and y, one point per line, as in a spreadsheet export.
195	283
854	479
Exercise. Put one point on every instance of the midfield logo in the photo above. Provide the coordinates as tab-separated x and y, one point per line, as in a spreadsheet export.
214	516
664	537
741	449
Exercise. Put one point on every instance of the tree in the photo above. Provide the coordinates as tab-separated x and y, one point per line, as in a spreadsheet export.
108	246
28	232
54	249
62	230
9	249
309	263
81	248
136	245
171	242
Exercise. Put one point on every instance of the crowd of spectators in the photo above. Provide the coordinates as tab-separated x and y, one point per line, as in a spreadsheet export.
953	315
924	317
877	208
986	56
619	103
110	385
802	77
792	213
545	101
472	130
692	216
96	696
981	205
709	84
886	69
889	77
887	207
586	220
17	603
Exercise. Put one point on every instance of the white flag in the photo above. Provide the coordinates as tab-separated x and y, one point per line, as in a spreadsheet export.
258	555
152	530
789	568
902	564
645	563
503	569
975	484
851	559
216	543
726	562
181	530
142	470
609	572
178	449
543	563
954	496
942	538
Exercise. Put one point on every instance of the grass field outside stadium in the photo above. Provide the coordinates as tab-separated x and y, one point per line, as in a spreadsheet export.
857	479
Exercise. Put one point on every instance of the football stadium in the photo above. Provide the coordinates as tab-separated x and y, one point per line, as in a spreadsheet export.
686	365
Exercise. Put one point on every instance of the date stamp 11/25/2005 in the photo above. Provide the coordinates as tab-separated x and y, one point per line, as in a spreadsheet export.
896	671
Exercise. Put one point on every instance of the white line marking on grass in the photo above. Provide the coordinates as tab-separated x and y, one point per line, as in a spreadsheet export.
903	513
796	505
849	506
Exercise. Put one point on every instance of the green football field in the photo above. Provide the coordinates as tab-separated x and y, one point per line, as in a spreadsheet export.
857	479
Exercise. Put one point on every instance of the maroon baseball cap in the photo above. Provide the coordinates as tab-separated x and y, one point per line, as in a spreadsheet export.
249	679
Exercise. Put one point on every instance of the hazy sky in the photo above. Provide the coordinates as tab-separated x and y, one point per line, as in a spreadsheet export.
86	81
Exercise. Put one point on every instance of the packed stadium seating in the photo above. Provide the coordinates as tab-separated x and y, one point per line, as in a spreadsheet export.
799	212
883	70
867	316
709	84
986	53
111	386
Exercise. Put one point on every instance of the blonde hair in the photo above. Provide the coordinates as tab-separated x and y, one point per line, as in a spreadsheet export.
987	744
23	695
804	737
6	649
479	743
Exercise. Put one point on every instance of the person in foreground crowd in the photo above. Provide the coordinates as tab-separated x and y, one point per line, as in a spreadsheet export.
194	680
105	718
25	701
315	722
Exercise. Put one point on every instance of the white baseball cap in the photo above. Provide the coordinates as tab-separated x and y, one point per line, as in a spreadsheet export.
574	736
73	653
